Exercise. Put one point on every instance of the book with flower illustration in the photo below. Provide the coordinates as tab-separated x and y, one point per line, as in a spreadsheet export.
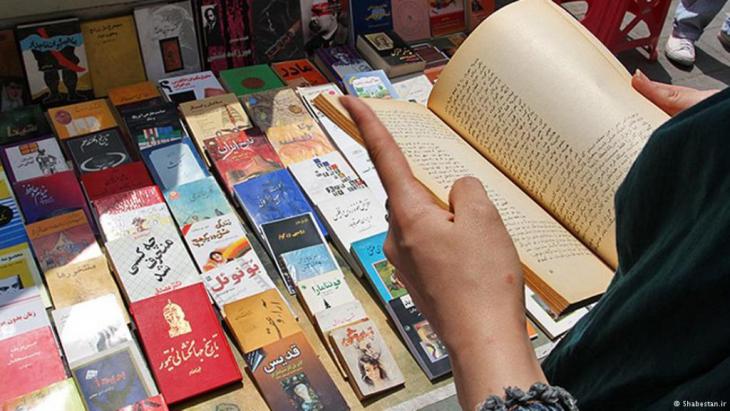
497	114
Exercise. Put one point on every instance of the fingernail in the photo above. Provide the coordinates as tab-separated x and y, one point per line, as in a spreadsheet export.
638	74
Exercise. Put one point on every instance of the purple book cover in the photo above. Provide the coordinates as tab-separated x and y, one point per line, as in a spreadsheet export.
48	196
226	33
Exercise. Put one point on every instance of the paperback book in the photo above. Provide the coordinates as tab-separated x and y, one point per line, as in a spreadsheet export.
197	202
213	117
246	80
299	73
238	279
278	32
119	179
81	118
133	94
23	123
63	239
308	262
326	23
51	195
370	84
225	29
132	213
353	217
152	126
273	108
324	292
175	164
217	241
33	158
98	151
344	314
299	141
75	283
17	262
371	16
414	89
336	62
22	311
191	87
387	51
62	395
447	17
379	271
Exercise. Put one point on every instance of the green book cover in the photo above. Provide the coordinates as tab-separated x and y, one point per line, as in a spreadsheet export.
22	123
246	80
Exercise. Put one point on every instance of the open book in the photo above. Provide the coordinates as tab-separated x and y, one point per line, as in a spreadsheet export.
539	110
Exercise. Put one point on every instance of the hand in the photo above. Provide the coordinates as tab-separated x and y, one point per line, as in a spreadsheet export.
460	267
672	99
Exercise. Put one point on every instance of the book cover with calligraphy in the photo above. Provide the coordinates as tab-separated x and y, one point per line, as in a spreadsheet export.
120	179
353	217
113	51
175	164
299	73
291	377
196	202
379	271
56	67
272	196
185	344
18	261
29	361
370	84
191	87
276	107
225	28
63	395
299	142
98	151
81	118
326	177
348	313
63	239
52	195
156	403
113	378
152	125
133	93
132	213
250	79
21	312
168	39
217	241
369	363
324	292
238	279
241	156
91	327
260	320
23	123
152	264
214	116
33	158
74	283
308	262
294	234
11	224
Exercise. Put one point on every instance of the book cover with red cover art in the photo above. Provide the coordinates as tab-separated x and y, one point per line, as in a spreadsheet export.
120	179
184	342
49	196
29	361
299	73
132	213
447	16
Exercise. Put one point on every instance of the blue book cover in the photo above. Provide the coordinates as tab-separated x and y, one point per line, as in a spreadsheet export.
197	201
174	164
371	16
380	272
309	262
370	84
12	230
273	196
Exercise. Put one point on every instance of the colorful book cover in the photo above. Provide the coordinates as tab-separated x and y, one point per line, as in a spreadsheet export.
414	89
241	156
344	314
290	376
113	50
152	126
133	93
299	142
217	241
13	93
81	118
325	291
447	17
411	20
354	217
299	73
277	107
196	202
380	272
18	261
278	32
29	361
168	39
429	351
23	123
326	23
308	262
56	66
371	16
22	312
98	151
185	344
215	116
370	84
191	87
260	320
120	179
238	279
293	234
153	264
225	29
175	164
156	403
63	239
272	196
371	367
33	158
338	61
246	80
132	213
49	196
91	327
62	395
74	283
113	378
326	177
12	229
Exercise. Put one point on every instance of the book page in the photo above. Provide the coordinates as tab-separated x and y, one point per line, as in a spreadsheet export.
545	102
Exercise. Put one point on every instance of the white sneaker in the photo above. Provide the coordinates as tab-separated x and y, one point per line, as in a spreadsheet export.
680	51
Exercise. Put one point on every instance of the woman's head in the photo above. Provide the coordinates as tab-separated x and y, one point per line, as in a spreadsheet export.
371	370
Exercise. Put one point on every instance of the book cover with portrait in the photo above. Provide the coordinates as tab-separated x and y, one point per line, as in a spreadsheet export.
278	30
226	32
13	91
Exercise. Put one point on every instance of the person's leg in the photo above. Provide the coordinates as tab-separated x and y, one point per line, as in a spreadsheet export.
692	16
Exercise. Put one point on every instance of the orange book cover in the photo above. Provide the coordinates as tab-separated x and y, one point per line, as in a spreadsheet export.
299	73
299	142
82	118
62	240
133	93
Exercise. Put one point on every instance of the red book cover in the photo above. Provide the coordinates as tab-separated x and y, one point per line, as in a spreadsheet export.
115	180
447	16
184	342
29	361
129	200
156	403
299	73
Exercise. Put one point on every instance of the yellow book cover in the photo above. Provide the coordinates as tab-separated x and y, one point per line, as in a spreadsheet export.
260	320
299	142
133	93
18	260
63	395
214	116
74	283
113	53
4	185
82	118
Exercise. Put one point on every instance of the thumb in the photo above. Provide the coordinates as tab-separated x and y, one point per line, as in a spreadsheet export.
469	201
670	98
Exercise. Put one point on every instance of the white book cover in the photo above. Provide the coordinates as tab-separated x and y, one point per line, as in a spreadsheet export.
325	292
416	89
539	312
354	217
217	241
326	177
234	281
168	40
152	264
35	159
339	316
189	87
91	327
18	261
135	223
21	312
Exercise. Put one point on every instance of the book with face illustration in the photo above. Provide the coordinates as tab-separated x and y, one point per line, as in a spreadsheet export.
152	264
132	213
196	202
191	87
225	30
62	395
33	158
273	108
98	151
175	164
185	344
217	241
82	118
119	179
297	142
324	292
64	239
238	279
49	196
326	177
371	367
152	125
